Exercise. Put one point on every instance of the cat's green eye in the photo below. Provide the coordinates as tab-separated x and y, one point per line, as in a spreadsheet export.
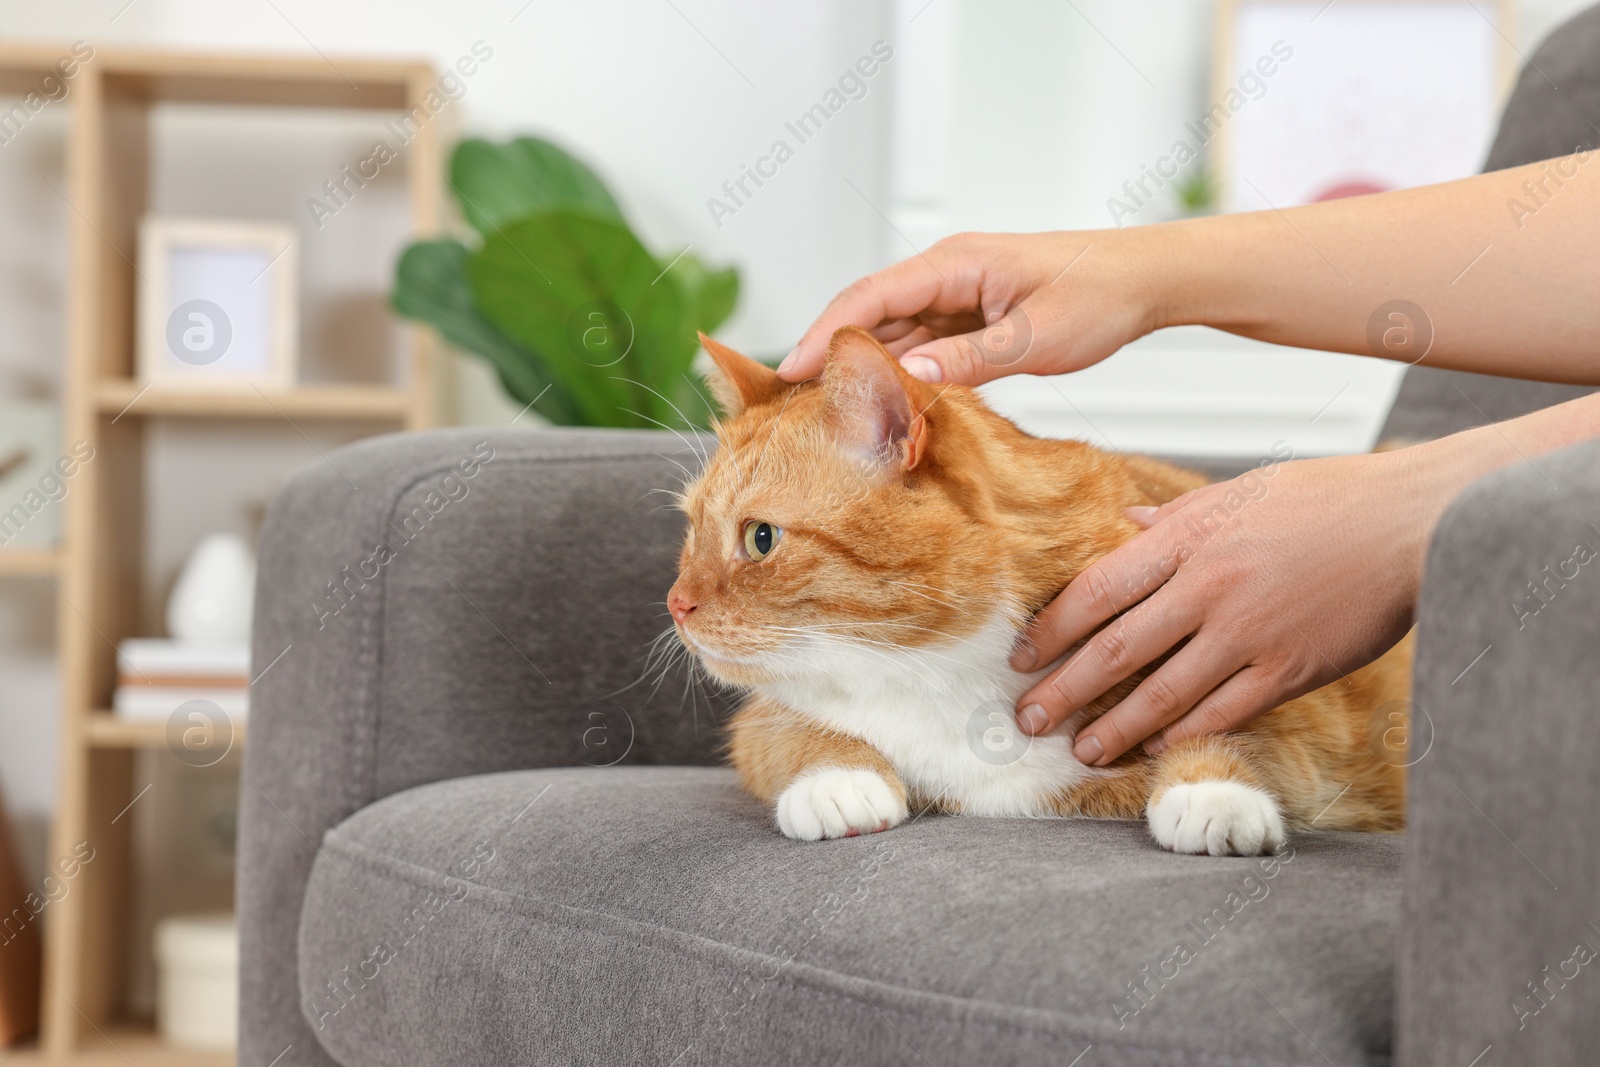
760	538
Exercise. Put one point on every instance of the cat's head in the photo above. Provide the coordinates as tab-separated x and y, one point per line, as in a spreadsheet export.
856	508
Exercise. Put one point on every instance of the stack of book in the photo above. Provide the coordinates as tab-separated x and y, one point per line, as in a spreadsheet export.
156	675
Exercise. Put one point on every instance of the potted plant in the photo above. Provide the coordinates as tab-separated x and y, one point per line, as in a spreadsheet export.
556	291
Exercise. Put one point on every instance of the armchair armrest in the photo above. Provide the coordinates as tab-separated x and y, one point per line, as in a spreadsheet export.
1500	945
437	605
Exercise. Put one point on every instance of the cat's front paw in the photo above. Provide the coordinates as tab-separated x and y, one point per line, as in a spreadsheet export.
835	802
1218	818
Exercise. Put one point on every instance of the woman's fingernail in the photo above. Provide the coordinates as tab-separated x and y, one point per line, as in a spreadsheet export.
1154	745
1023	657
790	360
1033	719
1140	515
1089	750
923	368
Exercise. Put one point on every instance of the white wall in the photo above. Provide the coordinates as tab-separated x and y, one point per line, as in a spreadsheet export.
667	101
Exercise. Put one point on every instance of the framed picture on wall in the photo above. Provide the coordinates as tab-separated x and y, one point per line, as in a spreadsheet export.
1315	101
217	303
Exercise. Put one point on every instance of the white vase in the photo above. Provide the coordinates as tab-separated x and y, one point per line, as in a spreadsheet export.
215	593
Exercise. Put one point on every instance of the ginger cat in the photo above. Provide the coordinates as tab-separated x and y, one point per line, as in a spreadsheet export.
863	551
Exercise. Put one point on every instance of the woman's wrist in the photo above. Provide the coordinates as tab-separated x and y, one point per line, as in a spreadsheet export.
1464	457
1431	475
1438	471
1151	268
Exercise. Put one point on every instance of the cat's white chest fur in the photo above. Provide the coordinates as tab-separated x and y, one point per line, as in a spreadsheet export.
944	716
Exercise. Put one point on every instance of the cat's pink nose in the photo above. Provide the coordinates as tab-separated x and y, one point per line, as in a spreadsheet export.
680	605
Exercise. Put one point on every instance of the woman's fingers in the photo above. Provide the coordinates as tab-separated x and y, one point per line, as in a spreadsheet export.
893	330
920	336
898	292
1243	697
1110	585
1147	517
1163	698
1011	341
1128	643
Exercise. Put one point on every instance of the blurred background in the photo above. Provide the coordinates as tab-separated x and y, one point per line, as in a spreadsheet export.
1012	115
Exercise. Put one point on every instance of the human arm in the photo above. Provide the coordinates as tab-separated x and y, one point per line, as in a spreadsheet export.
1310	571
1501	266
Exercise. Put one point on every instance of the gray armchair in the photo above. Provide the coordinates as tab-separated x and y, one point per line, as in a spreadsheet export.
481	825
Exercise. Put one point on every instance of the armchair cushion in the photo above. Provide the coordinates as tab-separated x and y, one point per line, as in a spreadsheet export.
654	915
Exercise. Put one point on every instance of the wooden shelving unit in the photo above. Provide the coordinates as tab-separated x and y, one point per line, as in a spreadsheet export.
105	730
126	398
97	569
29	562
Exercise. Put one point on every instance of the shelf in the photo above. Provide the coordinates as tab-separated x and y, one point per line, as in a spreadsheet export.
29	562
22	65
262	80
121	398
106	730
119	1046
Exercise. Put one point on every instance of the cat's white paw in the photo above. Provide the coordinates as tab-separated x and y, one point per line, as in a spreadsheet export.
834	802
1218	818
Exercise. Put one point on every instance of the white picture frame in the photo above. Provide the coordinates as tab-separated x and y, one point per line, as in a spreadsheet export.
1379	94
217	304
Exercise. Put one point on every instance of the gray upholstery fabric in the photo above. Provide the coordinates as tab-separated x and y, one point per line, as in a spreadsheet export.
1553	111
1503	871
516	603
1435	403
655	916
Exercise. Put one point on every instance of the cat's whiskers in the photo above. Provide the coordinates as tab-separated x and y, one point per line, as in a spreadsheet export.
660	657
699	450
925	596
841	630
917	588
688	475
807	662
675	494
667	652
690	379
881	649
904	622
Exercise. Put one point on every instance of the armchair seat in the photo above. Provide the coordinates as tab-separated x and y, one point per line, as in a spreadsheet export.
653	915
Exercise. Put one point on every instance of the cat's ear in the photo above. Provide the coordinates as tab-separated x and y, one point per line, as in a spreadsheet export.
738	381
876	406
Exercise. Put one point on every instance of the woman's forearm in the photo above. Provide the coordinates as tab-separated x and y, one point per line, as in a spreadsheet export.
1451	463
1497	273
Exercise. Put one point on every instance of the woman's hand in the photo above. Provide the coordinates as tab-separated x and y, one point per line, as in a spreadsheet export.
1268	586
979	306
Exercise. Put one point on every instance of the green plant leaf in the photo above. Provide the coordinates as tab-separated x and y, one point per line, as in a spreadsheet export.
583	293
709	299
431	286
710	294
496	184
